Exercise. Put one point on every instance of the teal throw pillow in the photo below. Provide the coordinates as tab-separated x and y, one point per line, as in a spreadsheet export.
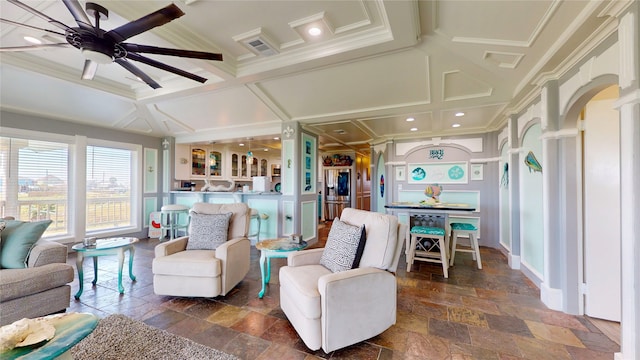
18	238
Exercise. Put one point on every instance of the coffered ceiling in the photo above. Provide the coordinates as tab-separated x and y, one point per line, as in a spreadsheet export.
375	64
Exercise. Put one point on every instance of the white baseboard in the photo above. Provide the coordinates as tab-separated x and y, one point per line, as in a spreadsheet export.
514	261
551	297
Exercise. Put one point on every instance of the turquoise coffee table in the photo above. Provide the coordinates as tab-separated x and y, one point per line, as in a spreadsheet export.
103	247
71	328
275	248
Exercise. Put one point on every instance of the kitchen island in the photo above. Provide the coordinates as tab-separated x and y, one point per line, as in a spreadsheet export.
266	203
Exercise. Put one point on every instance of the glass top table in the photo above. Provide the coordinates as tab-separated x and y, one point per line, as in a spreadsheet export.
274	248
103	247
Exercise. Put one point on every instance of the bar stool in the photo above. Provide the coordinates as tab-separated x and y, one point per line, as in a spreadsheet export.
173	217
434	251
466	230
255	215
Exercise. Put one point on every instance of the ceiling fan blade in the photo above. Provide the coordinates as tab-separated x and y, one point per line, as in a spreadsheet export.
138	73
169	68
171	52
89	70
147	22
41	15
78	13
32	47
11	22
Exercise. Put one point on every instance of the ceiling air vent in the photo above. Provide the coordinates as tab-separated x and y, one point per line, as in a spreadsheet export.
258	42
261	47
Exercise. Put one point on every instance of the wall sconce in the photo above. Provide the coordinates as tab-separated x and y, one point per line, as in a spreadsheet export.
183	161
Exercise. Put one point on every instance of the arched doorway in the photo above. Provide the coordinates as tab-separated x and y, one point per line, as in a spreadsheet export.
601	206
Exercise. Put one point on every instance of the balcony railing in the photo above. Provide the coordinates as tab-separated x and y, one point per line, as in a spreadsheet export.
101	213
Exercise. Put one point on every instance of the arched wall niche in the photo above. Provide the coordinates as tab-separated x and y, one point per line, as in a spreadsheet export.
526	127
531	201
502	143
582	96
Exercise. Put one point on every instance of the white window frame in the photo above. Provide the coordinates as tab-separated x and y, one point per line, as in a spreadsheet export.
66	139
136	188
76	198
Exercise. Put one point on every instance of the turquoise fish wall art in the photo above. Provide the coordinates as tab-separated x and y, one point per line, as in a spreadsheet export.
504	181
532	163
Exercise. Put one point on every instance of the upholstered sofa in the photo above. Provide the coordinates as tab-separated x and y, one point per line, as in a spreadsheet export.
42	288
180	271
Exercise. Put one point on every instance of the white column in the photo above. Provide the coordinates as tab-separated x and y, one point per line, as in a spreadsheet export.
629	107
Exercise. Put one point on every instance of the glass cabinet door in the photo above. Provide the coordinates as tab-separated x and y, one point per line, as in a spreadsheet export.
198	162
234	165
215	163
263	167
254	167
243	164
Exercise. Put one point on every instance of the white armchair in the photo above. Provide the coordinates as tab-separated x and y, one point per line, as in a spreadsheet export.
204	273
335	310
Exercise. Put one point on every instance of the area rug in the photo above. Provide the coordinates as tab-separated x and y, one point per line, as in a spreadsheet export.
119	337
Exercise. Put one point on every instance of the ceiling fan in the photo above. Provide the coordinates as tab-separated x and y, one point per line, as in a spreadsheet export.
103	47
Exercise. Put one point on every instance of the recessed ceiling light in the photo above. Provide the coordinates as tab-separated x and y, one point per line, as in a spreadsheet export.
276	138
265	149
410	119
414	129
33	40
458	114
314	31
455	125
241	144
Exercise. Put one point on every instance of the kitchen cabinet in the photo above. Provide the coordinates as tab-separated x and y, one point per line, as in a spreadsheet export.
215	163
193	162
197	162
241	170
205	162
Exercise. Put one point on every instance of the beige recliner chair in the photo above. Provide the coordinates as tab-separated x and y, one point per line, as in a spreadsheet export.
334	310
204	273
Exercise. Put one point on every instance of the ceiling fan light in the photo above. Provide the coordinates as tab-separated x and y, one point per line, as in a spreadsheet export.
97	50
96	56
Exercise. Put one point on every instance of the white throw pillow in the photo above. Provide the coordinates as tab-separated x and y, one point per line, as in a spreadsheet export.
344	246
208	231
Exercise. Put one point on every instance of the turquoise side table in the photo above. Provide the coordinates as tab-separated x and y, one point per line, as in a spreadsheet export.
274	248
103	247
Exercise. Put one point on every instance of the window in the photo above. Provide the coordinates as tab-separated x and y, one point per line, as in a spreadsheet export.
110	202
34	182
44	176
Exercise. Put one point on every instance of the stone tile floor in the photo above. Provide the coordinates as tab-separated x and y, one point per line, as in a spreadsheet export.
493	313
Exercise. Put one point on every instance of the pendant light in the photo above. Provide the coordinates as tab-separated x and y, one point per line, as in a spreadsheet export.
249	154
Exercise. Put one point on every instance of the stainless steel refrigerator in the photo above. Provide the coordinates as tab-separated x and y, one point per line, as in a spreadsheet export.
337	191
